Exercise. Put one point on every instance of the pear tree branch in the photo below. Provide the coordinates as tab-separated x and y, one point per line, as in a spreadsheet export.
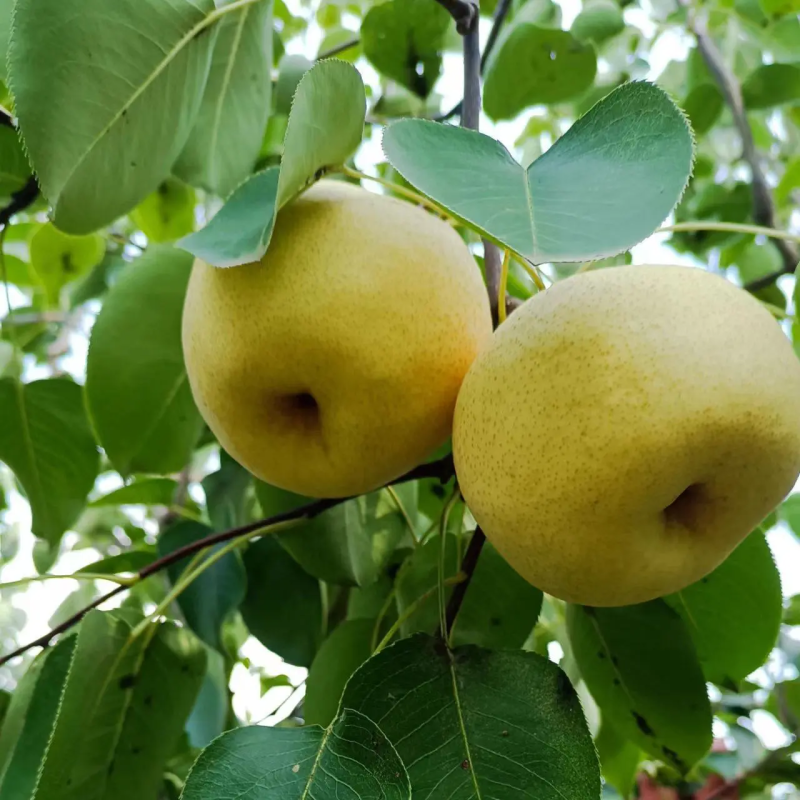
441	470
763	206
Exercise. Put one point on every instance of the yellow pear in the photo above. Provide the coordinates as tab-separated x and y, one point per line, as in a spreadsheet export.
626	429
333	365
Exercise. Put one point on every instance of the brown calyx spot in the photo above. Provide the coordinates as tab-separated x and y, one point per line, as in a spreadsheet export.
300	409
686	508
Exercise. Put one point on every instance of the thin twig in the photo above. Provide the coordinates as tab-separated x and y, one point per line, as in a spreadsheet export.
468	566
339	48
763	206
20	200
441	470
500	14
464	12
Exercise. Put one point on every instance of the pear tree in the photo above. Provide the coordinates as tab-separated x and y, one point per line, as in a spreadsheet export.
399	399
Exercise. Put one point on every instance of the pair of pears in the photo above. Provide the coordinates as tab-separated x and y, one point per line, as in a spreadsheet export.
616	438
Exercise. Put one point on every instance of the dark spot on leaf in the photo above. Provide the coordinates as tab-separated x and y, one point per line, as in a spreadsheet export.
589	611
496	621
437	490
504	734
148	701
201	33
465	764
163	189
642	723
124	112
136	750
111	766
127	681
704	580
133	164
185	669
615	661
617	682
66	263
601	654
676	759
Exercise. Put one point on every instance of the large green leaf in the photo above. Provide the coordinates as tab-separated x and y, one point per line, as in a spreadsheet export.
130	702
734	614
46	440
403	39
772	85
125	79
208	601
145	491
325	127
226	493
499	610
342	653
474	723
283	604
210	712
640	666
532	65
348	544
6	7
137	392
224	144
30	719
350	759
634	143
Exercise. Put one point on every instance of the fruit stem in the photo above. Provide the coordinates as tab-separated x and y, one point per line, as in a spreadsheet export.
501	290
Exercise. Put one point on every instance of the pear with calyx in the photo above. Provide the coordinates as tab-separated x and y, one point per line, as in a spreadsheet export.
626	429
332	366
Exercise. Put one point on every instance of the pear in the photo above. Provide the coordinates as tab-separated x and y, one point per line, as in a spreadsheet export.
626	429
332	366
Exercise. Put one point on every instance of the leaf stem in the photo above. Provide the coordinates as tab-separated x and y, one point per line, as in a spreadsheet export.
443	520
732	227
339	48
402	509
409	194
414	607
77	576
468	568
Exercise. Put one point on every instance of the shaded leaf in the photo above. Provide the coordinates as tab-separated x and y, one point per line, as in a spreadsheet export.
557	210
283	604
291	69
150	69
341	654
144	491
260	763
534	65
136	388
619	759
46	440
640	666
207	720
14	169
772	85
734	614
128	561
403	40
226	490
324	128
598	20
212	596
471	723
224	143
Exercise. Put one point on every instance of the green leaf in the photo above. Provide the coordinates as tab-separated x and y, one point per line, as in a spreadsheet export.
352	758
30	719
557	209
703	105
403	40
149	67
132	703
734	614
14	169
58	258
774	8
291	69
224	144
208	601
226	491
789	182
166	214
208	717
640	666
534	65
474	723
283	604
136	387
772	85
348	544
46	440
341	654
144	491
598	20
619	759
756	260
325	127
791	615
499	610
128	561
6	7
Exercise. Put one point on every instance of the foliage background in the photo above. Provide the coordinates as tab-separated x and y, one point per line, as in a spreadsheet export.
59	286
